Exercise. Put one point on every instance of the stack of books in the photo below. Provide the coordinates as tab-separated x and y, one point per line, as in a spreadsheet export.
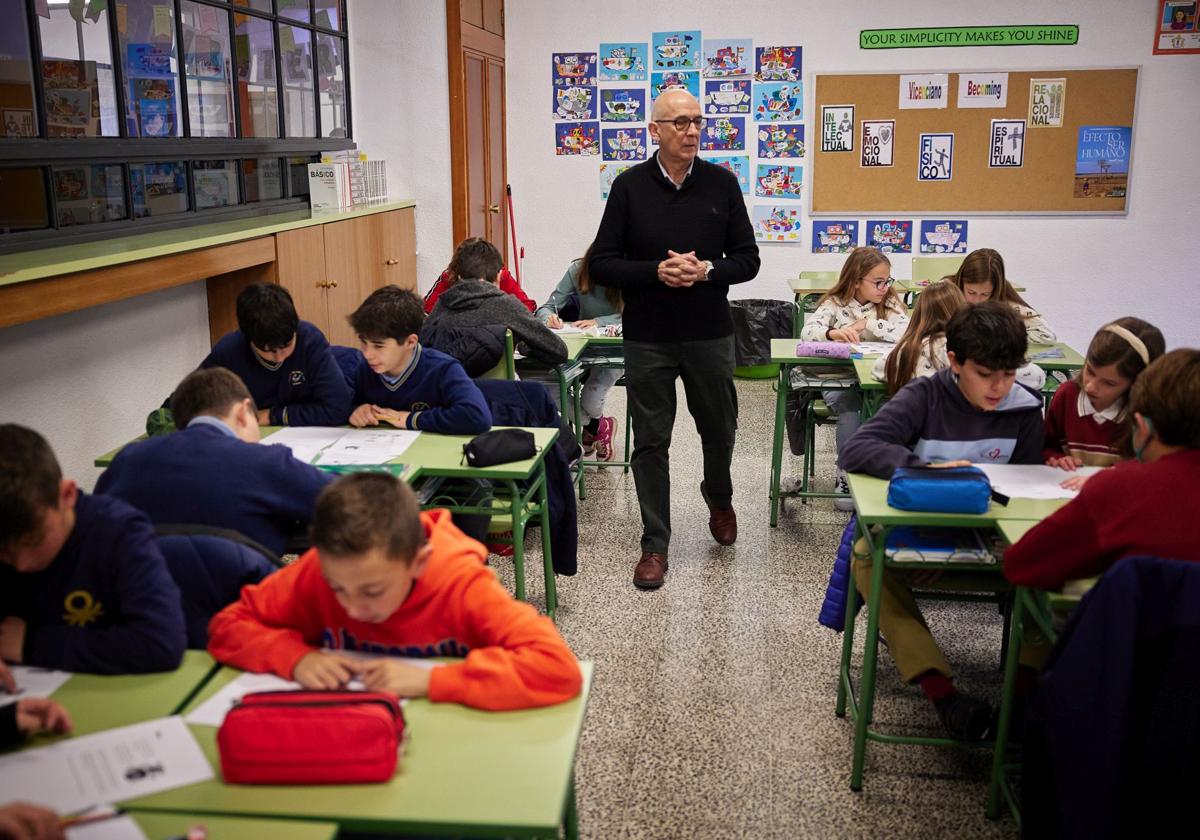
346	180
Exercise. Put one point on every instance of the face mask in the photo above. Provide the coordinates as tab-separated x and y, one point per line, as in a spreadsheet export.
1139	451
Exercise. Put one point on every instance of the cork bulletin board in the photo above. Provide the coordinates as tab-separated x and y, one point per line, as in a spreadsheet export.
1046	181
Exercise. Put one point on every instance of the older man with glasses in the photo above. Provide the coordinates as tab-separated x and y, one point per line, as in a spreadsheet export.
675	236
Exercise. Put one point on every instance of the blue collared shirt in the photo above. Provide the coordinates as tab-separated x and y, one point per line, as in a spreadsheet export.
209	420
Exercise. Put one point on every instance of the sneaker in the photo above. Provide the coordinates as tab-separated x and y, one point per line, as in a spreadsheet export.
604	438
844	503
966	718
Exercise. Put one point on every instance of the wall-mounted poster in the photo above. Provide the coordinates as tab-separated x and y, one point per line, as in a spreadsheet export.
677	50
892	236
727	96
1102	161
943	236
727	57
927	90
577	138
878	137
982	90
779	181
18	122
1047	102
608	174
777	64
834	237
775	224
576	102
622	104
573	69
1007	148
625	62
724	134
775	101
155	100
1176	32
628	143
688	80
781	140
935	159
837	128
739	165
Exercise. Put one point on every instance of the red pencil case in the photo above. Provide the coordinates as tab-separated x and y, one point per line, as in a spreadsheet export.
311	738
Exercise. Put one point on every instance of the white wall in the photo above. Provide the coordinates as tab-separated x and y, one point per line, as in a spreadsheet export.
88	379
399	82
1080	272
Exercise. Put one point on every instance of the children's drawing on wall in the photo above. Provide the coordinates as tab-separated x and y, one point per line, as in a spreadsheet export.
723	134
774	101
688	80
727	57
577	138
727	96
1177	28
677	50
935	158
624	143
576	102
573	69
781	140
834	237
622	104
739	165
1179	16
777	64
1047	101
878	137
1102	161
1007	147
779	181
775	224
837	128
943	236
891	236
624	62
608	174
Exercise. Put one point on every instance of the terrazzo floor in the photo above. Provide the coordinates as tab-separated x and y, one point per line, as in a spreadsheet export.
711	714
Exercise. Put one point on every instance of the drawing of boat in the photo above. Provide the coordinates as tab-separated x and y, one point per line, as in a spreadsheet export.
576	139
781	102
671	81
729	95
777	181
726	61
780	141
834	236
673	47
889	235
942	236
574	102
777	63
780	222
623	105
570	67
722	132
624	141
618	59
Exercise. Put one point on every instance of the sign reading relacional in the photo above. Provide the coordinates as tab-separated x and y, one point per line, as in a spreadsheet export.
982	90
1047	102
927	90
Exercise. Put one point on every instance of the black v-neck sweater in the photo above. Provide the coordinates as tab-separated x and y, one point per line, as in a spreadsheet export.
645	217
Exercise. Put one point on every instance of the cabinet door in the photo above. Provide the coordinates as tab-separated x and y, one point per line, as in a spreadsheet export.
300	266
362	255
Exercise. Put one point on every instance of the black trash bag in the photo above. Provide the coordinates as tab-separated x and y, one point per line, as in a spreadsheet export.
797	407
755	323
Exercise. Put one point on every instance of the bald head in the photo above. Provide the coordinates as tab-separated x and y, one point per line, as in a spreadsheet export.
673	103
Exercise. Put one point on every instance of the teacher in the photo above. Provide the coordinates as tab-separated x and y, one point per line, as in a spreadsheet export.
674	237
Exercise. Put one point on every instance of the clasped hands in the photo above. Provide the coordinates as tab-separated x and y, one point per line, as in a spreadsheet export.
680	271
371	415
329	669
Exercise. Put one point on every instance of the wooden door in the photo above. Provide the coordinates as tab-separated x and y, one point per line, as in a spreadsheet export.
361	255
475	34
300	267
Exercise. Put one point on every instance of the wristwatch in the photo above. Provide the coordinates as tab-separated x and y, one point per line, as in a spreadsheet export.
708	269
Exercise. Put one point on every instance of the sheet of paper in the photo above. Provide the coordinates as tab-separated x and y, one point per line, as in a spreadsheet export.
567	329
873	348
367	446
1032	481
306	442
116	828
109	766
33	682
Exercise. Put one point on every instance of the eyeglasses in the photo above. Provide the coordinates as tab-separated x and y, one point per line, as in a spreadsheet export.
682	123
882	284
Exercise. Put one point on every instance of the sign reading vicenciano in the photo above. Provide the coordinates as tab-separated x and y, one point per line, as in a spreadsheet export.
970	36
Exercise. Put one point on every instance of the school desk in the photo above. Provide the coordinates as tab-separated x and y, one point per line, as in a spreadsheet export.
600	351
463	772
159	825
807	289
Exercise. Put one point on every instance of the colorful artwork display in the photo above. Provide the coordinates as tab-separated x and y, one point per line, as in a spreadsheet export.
577	138
727	57
628	143
834	237
781	140
891	236
623	105
935	160
1177	31
625	62
1007	147
943	236
688	80
775	224
1102	161
774	101
777	64
608	174
779	181
575	102
837	128
724	134
573	69
727	96
676	50
155	100
739	165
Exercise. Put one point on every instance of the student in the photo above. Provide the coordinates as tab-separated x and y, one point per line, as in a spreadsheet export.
599	306
474	300
1086	424
384	578
861	307
508	285
973	411
213	470
83	586
981	277
1136	507
23	821
286	363
28	716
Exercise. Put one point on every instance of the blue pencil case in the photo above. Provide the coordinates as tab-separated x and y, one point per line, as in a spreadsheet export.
934	490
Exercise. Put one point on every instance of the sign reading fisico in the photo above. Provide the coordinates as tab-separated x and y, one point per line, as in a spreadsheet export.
970	36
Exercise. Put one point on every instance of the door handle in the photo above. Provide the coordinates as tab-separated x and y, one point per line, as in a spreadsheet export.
391	262
332	284
493	208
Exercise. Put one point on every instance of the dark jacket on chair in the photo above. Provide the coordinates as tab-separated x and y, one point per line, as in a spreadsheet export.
479	349
474	303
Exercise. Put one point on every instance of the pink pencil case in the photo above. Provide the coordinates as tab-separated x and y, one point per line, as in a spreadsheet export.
826	349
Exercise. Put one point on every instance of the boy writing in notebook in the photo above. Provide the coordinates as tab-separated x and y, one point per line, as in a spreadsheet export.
973	411
83	585
385	578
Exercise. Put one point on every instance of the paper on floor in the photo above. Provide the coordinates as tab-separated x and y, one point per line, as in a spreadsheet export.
1032	481
33	682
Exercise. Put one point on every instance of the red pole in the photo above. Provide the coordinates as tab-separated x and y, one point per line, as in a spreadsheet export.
512	229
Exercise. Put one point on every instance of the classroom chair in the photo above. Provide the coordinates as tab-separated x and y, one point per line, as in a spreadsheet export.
931	269
807	301
506	368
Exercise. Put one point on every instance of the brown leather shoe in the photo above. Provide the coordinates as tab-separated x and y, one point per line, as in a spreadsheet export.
722	522
650	570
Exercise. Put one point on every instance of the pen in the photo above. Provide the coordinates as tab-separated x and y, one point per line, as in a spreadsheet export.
90	815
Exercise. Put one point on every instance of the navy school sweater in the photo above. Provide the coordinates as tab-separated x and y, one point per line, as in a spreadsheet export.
306	389
929	420
106	604
203	476
434	388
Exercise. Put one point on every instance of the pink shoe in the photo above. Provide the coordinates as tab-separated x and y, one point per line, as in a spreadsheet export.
604	438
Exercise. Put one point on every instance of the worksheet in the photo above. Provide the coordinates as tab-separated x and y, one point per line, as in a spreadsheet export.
33	682
367	446
1032	481
306	442
116	827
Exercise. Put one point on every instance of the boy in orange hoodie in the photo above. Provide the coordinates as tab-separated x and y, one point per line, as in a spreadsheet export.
384	578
